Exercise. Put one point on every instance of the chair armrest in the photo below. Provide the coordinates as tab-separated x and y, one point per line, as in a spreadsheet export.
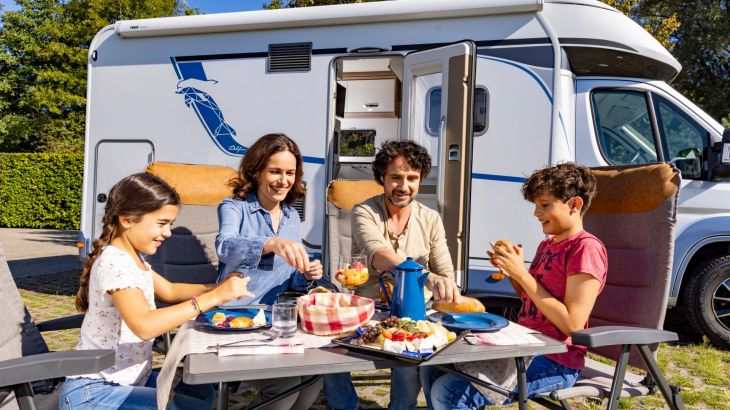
62	323
621	335
55	364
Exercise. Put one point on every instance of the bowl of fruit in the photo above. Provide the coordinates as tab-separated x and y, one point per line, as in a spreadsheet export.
352	272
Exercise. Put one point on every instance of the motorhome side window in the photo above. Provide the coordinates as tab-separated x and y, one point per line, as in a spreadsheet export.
623	127
433	110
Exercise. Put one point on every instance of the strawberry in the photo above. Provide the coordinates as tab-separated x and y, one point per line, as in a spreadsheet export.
399	336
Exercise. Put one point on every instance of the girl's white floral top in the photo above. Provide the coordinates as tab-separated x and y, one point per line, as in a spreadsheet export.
103	327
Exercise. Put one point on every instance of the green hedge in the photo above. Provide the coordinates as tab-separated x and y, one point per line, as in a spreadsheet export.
41	190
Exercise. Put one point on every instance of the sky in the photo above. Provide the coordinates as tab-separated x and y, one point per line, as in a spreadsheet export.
205	6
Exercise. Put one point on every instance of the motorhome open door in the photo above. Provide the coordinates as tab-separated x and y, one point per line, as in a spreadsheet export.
438	93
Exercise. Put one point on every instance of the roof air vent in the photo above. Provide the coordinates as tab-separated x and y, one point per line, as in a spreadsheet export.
290	57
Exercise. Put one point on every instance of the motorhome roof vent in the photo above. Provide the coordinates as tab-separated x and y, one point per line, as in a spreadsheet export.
290	57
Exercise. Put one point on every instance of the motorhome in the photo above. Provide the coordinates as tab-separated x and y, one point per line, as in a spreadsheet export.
493	88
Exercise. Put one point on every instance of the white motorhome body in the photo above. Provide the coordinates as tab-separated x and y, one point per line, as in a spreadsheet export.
493	88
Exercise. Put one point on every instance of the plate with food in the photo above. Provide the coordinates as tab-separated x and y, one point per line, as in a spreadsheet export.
400	338
476	322
236	319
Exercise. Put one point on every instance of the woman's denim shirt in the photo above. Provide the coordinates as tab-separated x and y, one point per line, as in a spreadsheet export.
244	228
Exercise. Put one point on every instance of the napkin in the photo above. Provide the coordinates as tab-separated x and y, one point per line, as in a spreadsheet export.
513	334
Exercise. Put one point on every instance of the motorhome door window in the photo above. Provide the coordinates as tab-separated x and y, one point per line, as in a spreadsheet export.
623	127
433	111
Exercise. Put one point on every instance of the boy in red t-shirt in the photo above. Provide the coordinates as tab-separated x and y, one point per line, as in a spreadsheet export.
558	291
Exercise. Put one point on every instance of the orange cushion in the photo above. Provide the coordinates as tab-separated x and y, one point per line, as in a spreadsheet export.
344	194
196	184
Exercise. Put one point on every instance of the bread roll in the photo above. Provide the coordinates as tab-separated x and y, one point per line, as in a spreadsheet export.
241	322
504	244
467	305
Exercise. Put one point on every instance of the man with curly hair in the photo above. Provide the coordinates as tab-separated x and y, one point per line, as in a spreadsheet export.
387	228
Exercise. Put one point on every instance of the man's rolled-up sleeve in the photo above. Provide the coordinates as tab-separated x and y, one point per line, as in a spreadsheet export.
439	260
366	236
234	249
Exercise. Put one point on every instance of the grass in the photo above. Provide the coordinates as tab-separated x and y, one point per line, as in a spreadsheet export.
702	371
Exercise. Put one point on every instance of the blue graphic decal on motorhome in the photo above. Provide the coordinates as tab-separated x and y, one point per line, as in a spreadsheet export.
195	87
192	82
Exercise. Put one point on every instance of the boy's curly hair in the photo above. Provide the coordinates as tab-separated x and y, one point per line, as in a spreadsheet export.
416	156
563	181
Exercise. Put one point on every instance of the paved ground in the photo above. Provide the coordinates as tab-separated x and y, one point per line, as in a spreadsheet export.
33	252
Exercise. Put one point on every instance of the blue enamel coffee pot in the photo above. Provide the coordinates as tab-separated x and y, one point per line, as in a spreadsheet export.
408	299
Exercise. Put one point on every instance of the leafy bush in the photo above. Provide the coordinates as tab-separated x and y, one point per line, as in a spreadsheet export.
41	190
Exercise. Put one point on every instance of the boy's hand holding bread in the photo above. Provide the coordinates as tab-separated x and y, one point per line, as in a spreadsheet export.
508	258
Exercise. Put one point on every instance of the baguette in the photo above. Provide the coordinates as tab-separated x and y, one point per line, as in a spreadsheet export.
467	305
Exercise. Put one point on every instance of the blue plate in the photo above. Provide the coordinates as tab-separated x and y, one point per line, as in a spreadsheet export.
476	322
205	318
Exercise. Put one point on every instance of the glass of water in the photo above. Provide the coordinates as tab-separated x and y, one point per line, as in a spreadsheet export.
284	319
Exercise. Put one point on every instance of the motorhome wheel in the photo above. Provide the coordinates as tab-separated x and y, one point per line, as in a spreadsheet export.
708	300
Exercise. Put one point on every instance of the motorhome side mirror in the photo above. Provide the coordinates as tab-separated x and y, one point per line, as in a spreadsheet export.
720	158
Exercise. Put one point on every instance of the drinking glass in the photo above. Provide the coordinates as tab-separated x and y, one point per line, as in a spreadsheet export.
352	271
284	319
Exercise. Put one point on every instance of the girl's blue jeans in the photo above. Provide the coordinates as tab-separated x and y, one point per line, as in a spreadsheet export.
84	393
448	391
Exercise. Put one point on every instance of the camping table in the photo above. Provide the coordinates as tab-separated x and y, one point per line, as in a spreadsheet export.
209	368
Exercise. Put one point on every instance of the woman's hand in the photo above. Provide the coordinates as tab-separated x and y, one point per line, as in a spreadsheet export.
315	270
510	261
292	252
234	286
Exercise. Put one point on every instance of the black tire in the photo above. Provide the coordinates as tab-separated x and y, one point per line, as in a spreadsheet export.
707	300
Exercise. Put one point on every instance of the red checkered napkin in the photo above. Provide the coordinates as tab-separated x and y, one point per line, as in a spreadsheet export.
328	314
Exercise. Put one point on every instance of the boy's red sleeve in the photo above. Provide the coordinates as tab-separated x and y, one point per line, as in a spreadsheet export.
588	256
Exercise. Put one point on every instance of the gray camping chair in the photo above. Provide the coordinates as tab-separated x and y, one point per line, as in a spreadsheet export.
342	195
189	255
26	365
633	214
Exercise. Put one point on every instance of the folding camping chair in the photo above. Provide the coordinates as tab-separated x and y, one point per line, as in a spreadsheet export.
29	373
633	214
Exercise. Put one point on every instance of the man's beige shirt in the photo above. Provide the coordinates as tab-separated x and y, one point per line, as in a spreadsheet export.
423	239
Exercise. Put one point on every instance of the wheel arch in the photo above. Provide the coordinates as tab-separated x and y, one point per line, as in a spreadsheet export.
703	239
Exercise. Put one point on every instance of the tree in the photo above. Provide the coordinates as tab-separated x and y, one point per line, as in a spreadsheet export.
702	46
698	35
43	58
659	26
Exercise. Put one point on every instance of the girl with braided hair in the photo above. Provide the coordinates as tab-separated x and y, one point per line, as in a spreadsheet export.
117	291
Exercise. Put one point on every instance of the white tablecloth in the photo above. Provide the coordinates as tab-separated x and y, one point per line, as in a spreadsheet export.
195	338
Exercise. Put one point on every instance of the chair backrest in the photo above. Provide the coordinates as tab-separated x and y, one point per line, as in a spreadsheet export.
634	214
189	255
342	195
19	335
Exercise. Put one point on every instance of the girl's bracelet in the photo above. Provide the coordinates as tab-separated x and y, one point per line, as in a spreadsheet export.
196	304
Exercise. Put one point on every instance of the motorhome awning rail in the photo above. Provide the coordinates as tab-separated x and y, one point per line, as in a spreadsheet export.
387	11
